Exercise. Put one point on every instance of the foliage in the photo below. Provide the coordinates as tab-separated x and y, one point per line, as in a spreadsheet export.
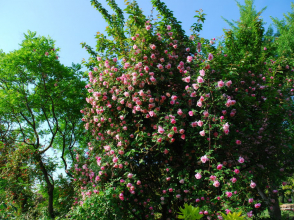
285	42
41	100
232	216
175	119
287	189
17	176
100	205
246	36
189	212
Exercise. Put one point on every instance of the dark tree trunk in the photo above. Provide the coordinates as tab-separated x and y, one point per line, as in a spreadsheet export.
275	213
283	198
50	186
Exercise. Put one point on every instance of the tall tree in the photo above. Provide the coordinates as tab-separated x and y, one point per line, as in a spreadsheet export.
285	28
250	50
41	98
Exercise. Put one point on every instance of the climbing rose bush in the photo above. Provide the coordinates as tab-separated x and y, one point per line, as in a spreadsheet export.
175	120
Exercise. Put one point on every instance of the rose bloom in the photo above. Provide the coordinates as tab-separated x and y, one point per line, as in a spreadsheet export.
229	194
220	84
202	72
249	214
200	123
234	180
219	167
216	183
205	113
252	184
204	159
241	160
202	133
198	176
200	79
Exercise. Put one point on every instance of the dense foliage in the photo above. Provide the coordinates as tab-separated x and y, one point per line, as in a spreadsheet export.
40	102
177	119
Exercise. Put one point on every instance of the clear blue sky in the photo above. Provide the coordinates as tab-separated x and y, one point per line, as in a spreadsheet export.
70	22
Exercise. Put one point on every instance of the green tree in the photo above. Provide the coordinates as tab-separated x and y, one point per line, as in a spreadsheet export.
246	35
250	50
285	28
42	98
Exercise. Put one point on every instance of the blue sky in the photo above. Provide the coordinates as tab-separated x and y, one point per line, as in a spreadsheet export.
70	22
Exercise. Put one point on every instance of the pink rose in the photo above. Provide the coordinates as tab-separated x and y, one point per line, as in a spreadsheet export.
238	142
234	180
189	59
220	84
200	79
206	114
202	72
252	184
160	130
219	167
216	183
229	83
241	160
180	112
229	194
204	159
198	176
202	133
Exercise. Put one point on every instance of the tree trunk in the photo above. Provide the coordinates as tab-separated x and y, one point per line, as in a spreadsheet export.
275	213
50	186
283	198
